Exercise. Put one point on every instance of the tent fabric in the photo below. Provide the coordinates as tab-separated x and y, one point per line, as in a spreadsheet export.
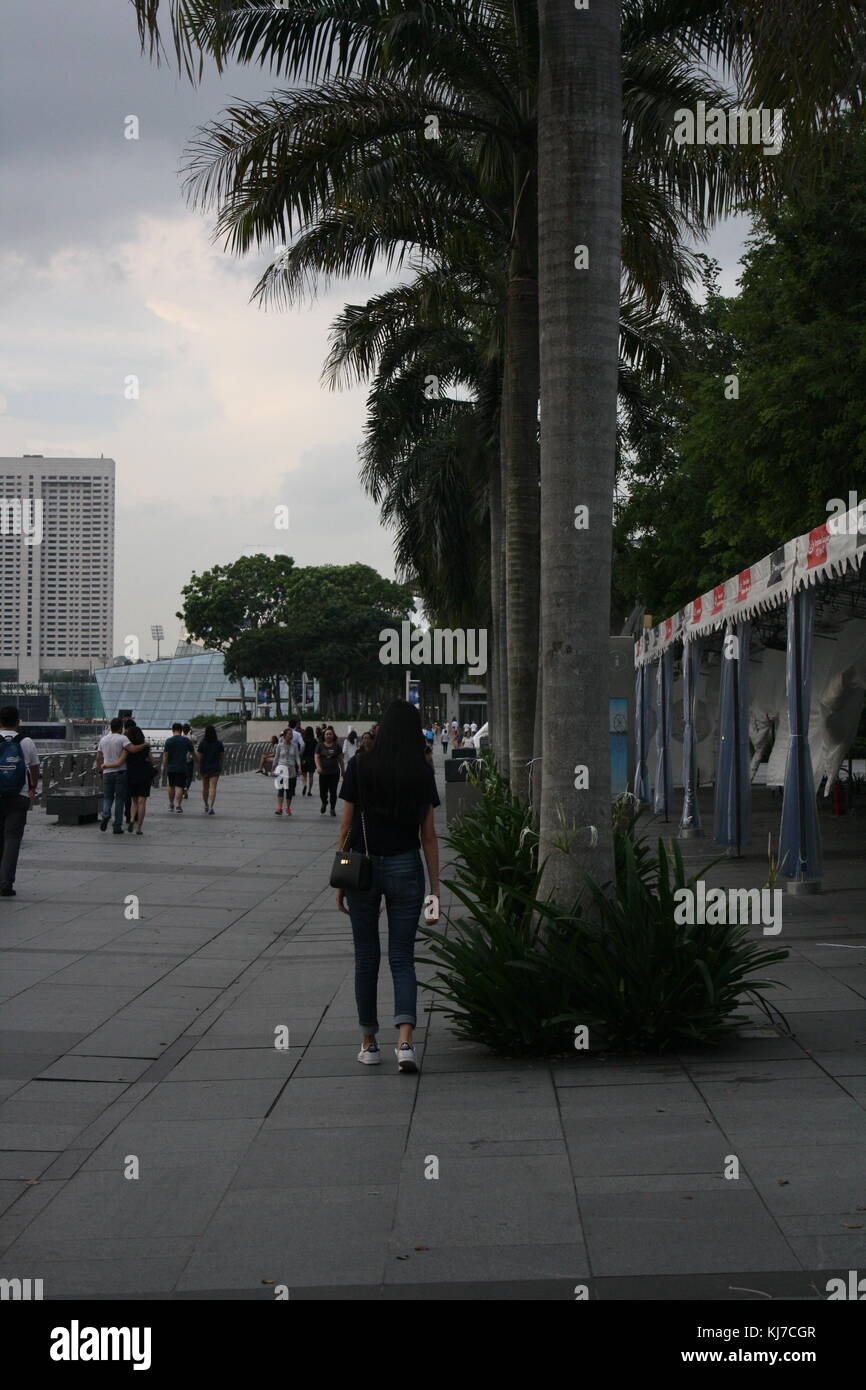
733	781
664	789
828	550
800	835
691	816
641	735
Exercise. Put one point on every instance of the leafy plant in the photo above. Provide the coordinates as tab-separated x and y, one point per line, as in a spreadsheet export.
518	973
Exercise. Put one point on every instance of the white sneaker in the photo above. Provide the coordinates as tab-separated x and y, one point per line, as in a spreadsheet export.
371	1056
406	1057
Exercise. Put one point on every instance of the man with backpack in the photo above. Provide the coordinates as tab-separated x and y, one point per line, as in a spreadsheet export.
19	775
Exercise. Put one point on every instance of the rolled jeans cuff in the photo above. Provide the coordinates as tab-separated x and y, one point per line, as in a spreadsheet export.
404	1018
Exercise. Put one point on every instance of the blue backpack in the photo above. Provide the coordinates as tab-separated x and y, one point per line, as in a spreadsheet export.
13	769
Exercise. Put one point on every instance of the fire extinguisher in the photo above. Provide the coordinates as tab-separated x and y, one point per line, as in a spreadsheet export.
838	798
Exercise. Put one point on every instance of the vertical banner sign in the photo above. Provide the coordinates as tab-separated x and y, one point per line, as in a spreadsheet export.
413	691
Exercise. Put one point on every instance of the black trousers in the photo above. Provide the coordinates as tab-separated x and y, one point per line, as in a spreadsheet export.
328	784
13	818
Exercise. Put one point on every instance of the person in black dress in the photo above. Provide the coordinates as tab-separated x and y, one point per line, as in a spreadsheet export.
139	773
308	762
209	755
330	767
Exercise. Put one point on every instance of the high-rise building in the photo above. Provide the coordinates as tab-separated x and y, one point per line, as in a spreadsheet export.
56	564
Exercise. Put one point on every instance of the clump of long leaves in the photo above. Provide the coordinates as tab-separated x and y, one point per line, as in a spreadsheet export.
519	973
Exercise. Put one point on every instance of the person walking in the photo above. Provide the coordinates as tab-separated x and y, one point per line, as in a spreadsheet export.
268	757
351	745
286	770
210	755
186	730
137	761
175	760
443	735
19	778
308	762
110	764
366	742
389	795
330	766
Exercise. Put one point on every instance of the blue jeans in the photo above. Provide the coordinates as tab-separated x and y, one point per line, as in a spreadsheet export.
114	789
400	879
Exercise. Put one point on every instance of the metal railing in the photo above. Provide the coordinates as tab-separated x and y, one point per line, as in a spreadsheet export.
66	771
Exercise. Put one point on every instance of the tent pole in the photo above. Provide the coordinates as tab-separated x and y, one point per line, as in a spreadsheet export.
737	787
801	770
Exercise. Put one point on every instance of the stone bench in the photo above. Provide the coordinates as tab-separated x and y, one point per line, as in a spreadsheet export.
74	806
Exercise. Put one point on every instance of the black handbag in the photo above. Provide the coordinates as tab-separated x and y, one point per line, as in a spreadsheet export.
352	871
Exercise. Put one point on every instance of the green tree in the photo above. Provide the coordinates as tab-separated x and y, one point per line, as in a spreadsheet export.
767	425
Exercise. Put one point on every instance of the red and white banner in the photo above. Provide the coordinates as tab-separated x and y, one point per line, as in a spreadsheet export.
828	550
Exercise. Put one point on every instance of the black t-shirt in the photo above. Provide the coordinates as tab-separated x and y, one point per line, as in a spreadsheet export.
385	837
209	750
330	758
178	751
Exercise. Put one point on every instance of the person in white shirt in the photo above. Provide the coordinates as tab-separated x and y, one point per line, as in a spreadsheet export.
286	769
473	728
110	747
19	777
351	745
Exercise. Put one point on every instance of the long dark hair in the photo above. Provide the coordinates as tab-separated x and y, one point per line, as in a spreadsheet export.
394	775
134	734
309	736
210	734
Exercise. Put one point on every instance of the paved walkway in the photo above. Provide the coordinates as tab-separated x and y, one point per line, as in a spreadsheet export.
153	1040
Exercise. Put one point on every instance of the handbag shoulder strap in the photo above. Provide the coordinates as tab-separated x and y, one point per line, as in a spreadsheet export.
360	808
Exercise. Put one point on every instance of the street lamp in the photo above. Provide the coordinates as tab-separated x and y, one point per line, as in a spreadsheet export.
157	633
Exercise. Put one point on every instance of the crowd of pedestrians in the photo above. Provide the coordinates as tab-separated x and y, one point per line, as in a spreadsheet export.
386	783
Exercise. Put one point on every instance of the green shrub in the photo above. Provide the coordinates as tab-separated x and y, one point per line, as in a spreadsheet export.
518	973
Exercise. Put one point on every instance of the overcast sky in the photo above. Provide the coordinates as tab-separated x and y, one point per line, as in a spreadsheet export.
105	273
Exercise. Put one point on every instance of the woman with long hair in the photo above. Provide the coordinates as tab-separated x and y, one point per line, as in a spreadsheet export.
330	766
389	793
210	755
308	762
286	769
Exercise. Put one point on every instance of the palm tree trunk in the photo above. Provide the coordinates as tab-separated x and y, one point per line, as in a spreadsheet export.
580	176
520	479
497	703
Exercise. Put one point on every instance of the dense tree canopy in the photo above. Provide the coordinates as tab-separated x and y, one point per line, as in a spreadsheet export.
725	471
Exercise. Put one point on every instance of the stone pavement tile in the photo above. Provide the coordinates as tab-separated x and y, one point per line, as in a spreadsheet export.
750	1072
855	1087
172	1143
828	1241
216	972
622	1144
25	1164
31	1128
753	1093
614	1072
759	1049
334	1061
93	1095
656	1233
825	1122
254	1063
106	968
10	1190
33	1200
127	1040
369	1098
210	1100
484	1200
848	1063
103	1207
594	1102
306	1236
290	1158
461	1147
484	1264
806	1179
685	1185
531	1087
87	932
345	1034
482	1128
123	1277
76	1068
832	1031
